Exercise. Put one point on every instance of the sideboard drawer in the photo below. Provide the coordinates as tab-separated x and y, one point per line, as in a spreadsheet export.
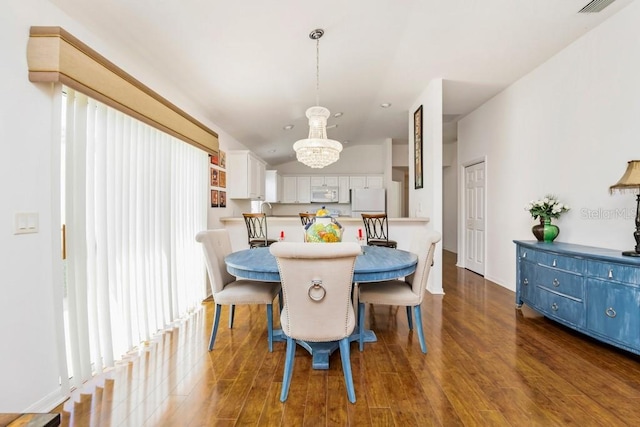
567	309
561	282
562	262
528	282
527	254
613	311
613	271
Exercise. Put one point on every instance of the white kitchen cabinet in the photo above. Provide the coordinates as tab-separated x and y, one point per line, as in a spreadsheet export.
368	181
303	189
331	181
289	184
375	181
317	181
296	189
344	195
245	175
357	181
273	190
320	181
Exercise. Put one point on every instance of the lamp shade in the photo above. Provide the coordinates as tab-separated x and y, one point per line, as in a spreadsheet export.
630	181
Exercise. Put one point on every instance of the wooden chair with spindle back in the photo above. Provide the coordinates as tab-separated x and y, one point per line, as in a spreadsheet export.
377	228
257	230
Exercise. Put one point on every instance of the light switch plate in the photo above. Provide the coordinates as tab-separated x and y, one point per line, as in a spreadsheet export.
25	223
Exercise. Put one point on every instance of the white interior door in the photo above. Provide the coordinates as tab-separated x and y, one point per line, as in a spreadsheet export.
474	217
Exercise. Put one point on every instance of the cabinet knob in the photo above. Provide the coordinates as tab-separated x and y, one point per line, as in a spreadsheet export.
610	312
525	282
554	263
554	307
556	282
610	275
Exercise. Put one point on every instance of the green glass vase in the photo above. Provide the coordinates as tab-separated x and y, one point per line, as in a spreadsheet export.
545	231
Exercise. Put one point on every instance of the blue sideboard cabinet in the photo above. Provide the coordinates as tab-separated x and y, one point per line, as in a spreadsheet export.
593	290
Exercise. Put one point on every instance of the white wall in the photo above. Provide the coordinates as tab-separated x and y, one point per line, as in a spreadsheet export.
427	201
350	162
30	305
450	197
31	272
400	155
567	128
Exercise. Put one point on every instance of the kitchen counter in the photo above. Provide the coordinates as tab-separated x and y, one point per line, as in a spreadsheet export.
340	219
400	229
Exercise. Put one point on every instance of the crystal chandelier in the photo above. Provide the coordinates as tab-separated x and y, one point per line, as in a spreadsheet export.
317	151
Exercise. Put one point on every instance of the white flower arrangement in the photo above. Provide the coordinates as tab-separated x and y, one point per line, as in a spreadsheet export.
546	208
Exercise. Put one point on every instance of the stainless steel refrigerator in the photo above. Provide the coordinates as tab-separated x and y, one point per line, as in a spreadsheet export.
367	200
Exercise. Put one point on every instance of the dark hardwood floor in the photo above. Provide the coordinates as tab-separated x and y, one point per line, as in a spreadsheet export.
488	365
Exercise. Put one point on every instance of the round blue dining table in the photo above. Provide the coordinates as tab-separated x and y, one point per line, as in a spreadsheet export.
375	264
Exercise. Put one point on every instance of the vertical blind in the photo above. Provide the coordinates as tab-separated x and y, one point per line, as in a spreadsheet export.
134	199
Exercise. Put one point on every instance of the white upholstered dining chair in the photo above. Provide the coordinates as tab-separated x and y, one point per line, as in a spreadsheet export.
226	289
316	282
408	292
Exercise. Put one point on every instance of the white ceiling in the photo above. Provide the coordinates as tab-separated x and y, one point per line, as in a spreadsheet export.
251	65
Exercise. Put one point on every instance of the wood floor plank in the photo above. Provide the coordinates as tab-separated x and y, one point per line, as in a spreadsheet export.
381	417
401	407
315	409
294	413
337	402
273	411
257	397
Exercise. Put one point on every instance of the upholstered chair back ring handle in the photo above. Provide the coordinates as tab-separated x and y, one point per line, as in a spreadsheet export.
316	291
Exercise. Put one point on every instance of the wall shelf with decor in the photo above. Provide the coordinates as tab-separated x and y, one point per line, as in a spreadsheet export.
595	291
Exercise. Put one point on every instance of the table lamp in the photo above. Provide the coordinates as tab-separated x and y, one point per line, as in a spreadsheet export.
630	181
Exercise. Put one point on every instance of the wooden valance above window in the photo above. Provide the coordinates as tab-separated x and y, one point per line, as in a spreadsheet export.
54	55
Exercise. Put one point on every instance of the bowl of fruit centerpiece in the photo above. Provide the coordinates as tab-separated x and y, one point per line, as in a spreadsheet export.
323	228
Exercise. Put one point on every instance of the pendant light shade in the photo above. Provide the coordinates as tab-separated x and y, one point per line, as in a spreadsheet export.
317	151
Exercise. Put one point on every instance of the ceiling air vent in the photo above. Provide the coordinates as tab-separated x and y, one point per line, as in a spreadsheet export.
595	6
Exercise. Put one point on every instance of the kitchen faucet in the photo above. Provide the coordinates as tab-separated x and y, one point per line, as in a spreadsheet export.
262	205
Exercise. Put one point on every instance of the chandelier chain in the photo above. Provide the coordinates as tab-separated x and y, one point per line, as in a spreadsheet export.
318	71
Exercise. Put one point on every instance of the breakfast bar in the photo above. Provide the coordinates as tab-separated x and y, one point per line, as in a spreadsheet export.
400	229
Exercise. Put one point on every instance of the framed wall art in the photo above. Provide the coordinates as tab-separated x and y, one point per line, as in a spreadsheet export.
214	198
215	158
223	159
223	199
223	179
214	177
417	147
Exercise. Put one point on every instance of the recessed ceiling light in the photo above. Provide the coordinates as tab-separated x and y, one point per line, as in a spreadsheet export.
385	105
346	141
273	150
287	127
338	114
332	126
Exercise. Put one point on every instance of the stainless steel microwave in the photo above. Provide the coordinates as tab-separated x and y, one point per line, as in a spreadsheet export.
324	194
